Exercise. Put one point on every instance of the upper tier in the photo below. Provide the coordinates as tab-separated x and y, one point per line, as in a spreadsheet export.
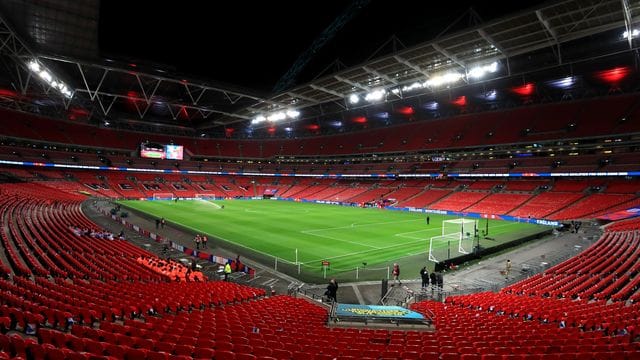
570	120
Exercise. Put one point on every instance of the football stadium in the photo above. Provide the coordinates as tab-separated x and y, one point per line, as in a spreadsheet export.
467	188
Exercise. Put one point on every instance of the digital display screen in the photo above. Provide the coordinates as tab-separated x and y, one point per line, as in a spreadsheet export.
174	152
160	151
152	151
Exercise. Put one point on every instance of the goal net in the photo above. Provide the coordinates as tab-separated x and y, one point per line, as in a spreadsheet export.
163	196
456	239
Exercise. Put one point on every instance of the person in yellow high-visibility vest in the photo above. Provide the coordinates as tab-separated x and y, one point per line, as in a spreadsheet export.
227	271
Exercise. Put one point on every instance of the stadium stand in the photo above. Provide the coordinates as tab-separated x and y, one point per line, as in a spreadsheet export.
72	290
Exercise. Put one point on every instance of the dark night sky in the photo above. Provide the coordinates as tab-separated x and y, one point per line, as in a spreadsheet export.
252	43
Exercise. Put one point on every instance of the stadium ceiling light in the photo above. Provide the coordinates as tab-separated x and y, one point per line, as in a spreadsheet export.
564	83
258	119
431	105
413	86
444	79
491	95
293	114
354	99
634	33
375	95
48	77
480	71
275	117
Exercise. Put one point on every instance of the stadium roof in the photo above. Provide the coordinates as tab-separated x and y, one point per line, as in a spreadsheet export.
60	33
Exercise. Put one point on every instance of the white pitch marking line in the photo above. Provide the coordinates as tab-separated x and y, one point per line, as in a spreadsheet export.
338	239
366	251
353	225
382	248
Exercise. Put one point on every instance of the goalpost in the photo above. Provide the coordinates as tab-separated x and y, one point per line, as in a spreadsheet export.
461	231
163	196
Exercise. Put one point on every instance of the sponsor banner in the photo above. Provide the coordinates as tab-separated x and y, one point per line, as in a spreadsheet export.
376	311
177	246
332	176
481	216
325	202
619	215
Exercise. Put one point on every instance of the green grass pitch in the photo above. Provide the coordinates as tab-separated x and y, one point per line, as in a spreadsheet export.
345	236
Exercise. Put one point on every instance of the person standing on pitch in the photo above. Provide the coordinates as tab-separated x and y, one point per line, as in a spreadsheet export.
332	290
227	270
507	269
424	274
396	274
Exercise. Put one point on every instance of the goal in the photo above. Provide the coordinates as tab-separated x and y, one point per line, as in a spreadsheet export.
163	196
460	232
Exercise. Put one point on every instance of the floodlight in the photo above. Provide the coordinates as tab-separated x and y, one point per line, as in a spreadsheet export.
354	99
447	78
277	116
415	85
634	33
34	66
480	71
258	119
375	95
45	75
293	113
48	77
